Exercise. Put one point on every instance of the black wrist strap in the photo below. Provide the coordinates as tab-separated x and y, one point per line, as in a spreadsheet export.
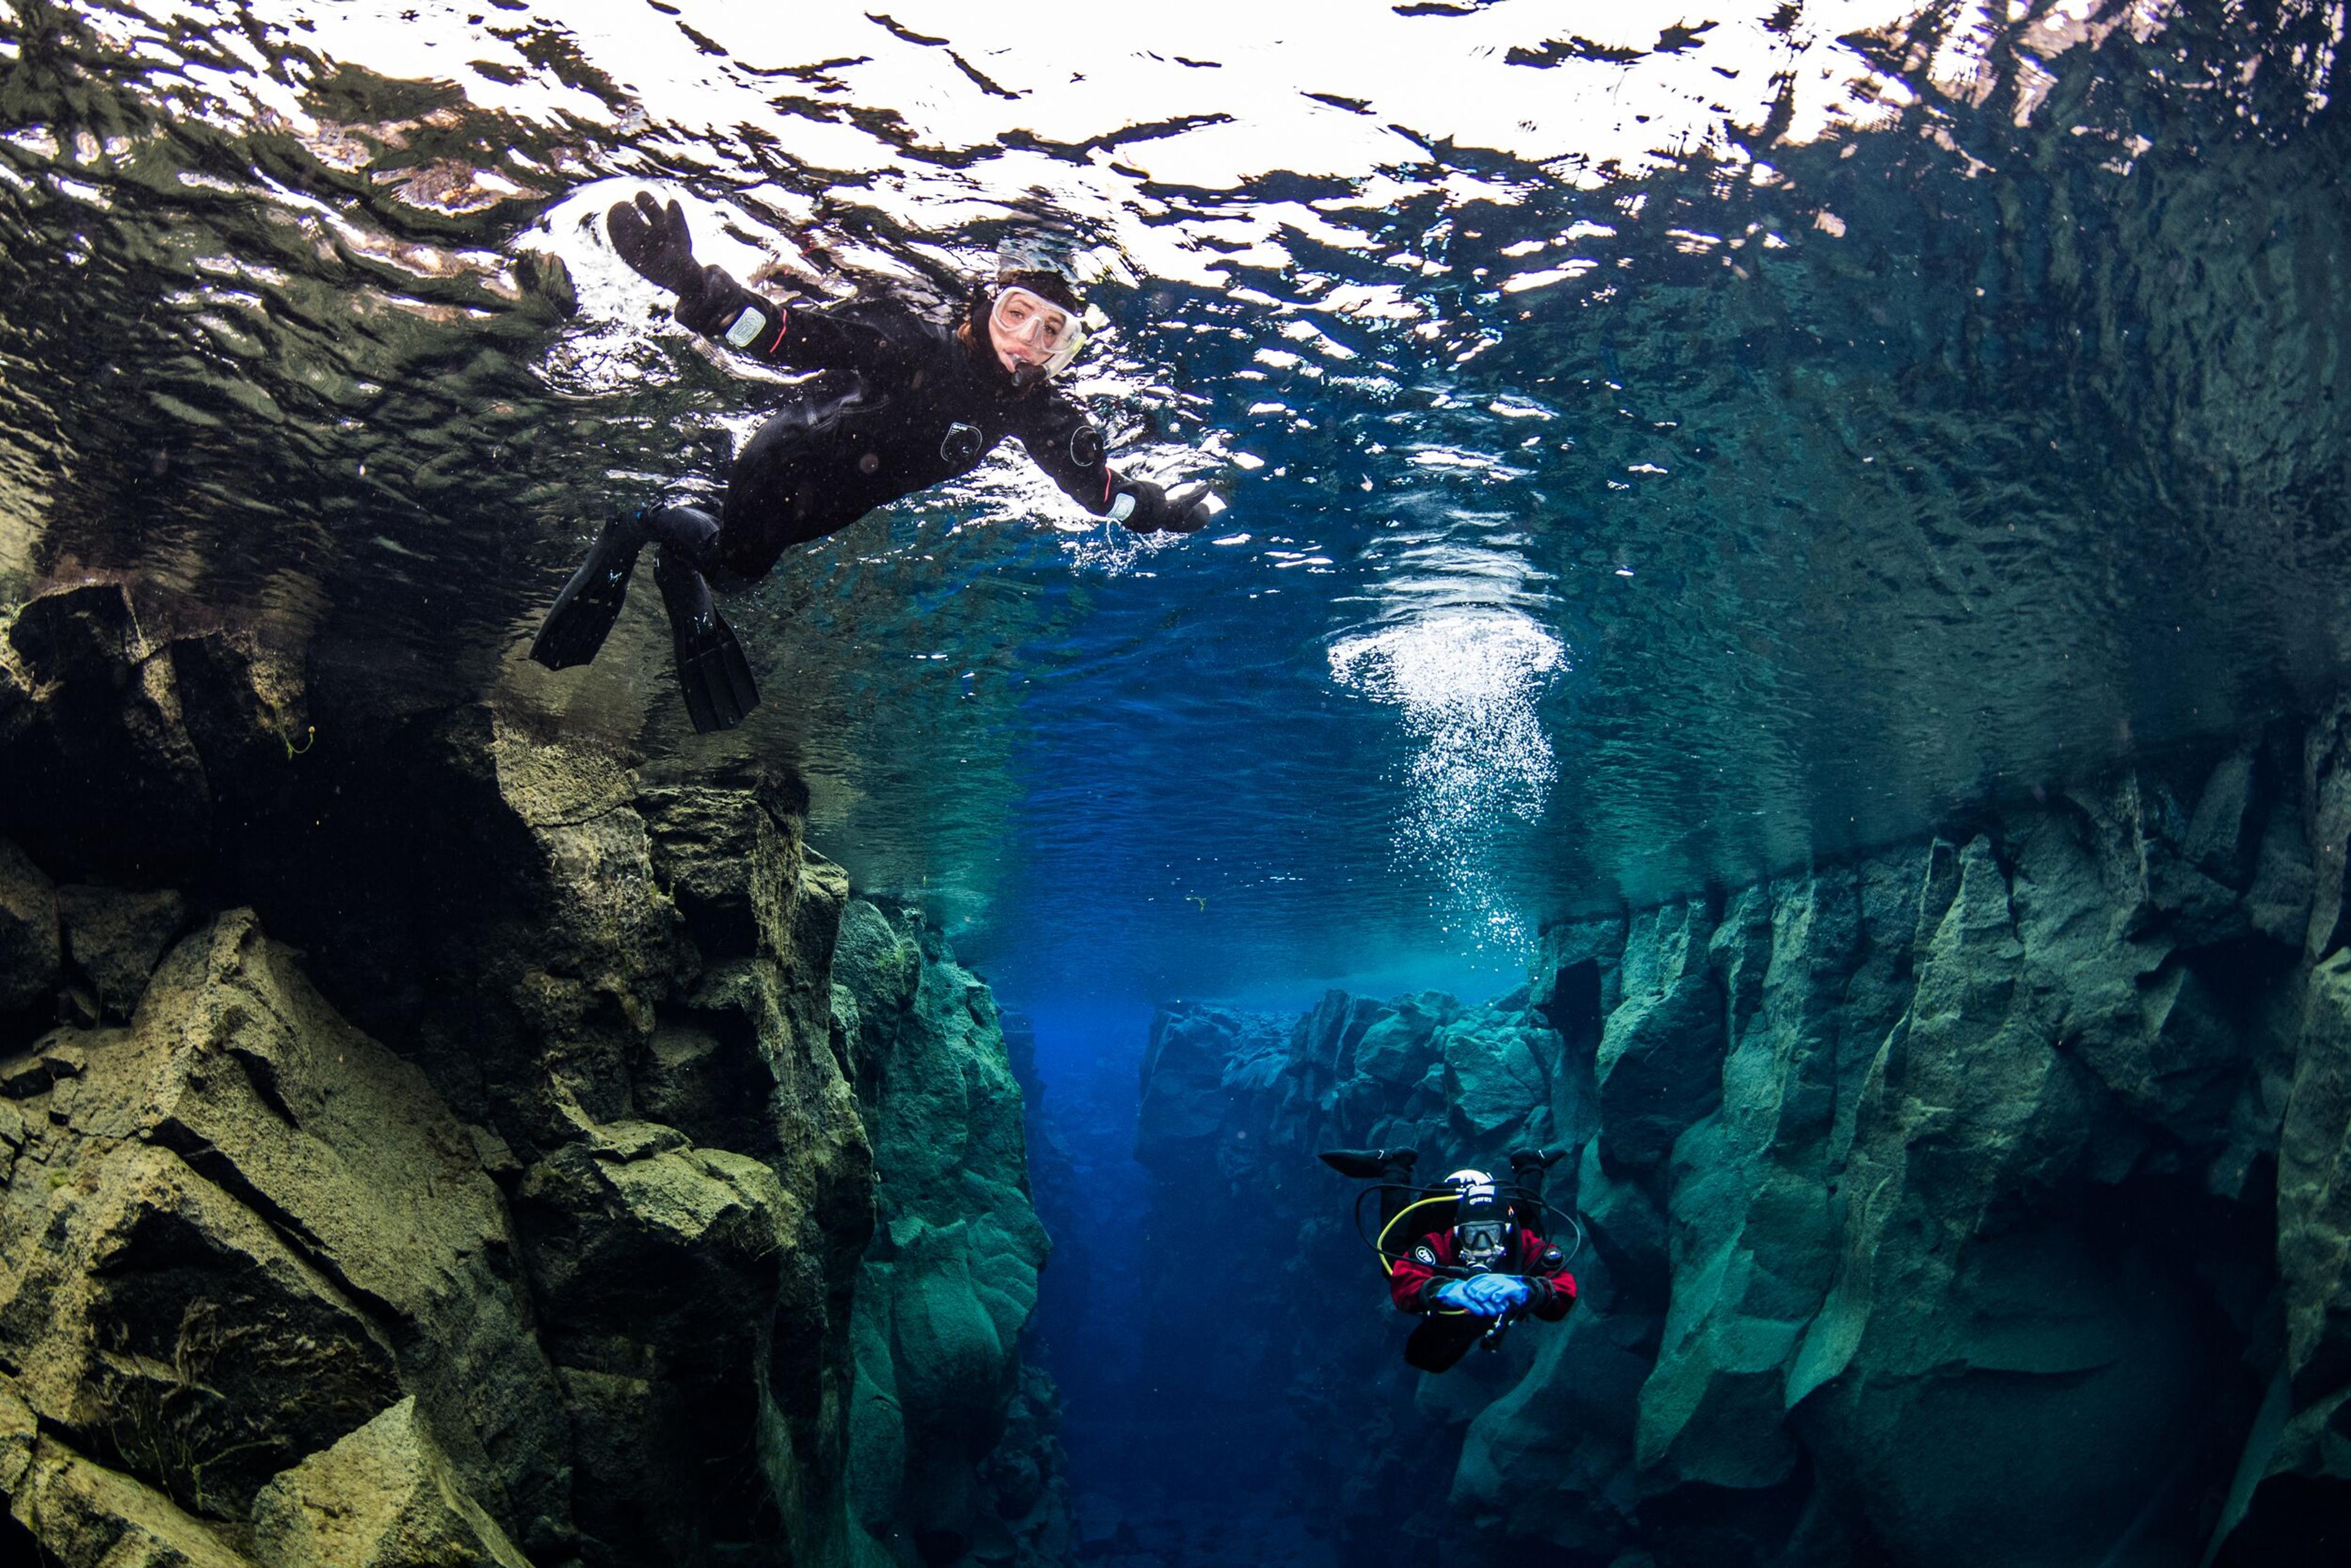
724	309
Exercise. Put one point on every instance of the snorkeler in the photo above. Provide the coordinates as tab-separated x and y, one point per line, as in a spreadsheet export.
1484	1265
907	403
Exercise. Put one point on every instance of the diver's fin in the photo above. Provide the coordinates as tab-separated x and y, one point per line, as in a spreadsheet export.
583	614
711	670
1364	1165
1540	1159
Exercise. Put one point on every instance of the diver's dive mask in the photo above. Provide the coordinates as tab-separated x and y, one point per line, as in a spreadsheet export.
1481	1220
1482	1244
1043	336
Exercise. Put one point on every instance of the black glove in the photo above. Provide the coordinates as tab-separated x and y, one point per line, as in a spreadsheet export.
655	242
1191	508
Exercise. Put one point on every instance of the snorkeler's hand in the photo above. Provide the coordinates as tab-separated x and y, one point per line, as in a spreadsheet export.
655	242
1191	508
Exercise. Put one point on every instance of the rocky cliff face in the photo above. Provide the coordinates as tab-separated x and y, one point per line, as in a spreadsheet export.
456	1150
1981	1200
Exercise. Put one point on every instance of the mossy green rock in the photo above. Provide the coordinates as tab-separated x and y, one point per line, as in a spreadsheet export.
951	1278
542	1240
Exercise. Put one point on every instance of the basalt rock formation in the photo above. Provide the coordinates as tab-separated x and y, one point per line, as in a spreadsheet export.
434	1144
1984	1199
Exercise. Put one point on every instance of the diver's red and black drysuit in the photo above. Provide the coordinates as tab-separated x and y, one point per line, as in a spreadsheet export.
1443	1337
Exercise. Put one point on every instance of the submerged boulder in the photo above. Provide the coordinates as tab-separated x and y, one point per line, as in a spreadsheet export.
116	936
239	1227
30	945
383	1497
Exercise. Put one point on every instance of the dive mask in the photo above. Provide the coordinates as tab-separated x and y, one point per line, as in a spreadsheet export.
1482	1241
1481	1228
1049	335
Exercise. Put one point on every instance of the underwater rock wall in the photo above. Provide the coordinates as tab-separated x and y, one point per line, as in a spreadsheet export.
951	1433
434	1144
1985	1199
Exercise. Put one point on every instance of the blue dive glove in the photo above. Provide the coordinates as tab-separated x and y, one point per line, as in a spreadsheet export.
1484	1295
1453	1293
1497	1295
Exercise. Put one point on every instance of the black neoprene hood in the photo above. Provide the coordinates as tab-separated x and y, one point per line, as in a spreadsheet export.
1051	286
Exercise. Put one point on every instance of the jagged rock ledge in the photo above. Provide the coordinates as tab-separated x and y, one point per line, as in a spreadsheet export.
431	1147
1988	1199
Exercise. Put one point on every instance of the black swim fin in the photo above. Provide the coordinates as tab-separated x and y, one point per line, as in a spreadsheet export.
1363	1164
711	670
583	614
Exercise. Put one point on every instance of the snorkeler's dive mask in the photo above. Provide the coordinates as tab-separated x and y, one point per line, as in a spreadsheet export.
1046	335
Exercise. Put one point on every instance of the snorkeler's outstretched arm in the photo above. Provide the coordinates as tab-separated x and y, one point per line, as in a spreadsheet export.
659	247
1063	442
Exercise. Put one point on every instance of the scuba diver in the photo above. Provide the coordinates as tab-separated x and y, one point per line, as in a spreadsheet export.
1481	1258
904	403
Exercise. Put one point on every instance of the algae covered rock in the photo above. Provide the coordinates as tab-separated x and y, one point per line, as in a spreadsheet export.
2314	1191
116	936
950	1454
240	1228
85	1515
1659	1062
30	944
543	1239
381	1497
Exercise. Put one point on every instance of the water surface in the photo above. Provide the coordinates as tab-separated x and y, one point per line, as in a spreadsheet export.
1663	444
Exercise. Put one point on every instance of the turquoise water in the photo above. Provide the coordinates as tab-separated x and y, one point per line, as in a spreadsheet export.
1658	453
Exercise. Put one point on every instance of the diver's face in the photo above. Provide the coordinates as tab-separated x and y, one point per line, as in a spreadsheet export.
1014	352
1027	330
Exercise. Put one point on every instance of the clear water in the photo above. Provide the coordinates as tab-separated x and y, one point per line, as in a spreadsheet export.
1663	445
1658	452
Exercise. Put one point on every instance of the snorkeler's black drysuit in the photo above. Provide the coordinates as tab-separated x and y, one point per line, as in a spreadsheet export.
903	403
906	404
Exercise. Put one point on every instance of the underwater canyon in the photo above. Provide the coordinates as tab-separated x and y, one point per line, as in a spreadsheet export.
1780	628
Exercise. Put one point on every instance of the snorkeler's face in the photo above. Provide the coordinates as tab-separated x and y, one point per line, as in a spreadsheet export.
1026	328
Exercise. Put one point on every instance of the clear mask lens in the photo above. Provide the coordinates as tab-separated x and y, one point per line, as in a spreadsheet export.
1481	1241
1049	334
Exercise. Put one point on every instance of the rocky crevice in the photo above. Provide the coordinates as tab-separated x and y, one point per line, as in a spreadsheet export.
434	1144
1982	1197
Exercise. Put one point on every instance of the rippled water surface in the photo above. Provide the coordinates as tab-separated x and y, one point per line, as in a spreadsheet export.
1666	443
